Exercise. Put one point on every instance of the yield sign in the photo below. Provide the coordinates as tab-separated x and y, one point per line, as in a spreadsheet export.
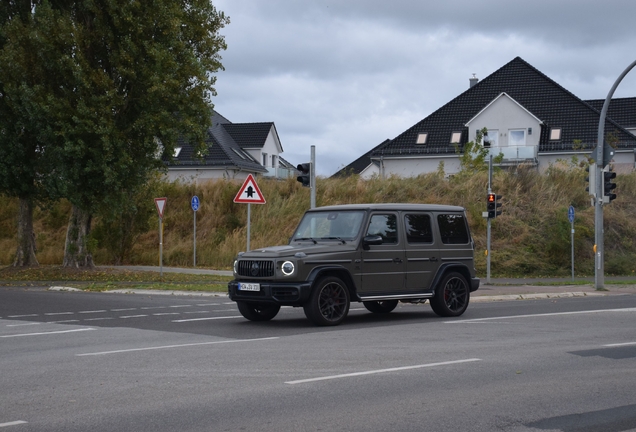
160	203
249	192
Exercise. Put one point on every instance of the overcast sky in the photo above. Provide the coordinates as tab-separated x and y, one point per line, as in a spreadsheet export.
344	75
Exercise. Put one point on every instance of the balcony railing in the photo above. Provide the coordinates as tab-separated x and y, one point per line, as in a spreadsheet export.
281	173
515	152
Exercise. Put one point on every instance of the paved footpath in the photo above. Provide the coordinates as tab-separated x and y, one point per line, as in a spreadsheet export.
499	289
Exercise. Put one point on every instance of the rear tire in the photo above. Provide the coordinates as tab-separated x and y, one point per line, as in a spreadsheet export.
328	304
258	311
384	306
452	297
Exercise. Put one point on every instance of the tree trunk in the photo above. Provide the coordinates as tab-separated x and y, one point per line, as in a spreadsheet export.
76	253
25	255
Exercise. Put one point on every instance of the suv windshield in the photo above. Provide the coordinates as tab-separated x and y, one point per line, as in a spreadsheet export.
337	225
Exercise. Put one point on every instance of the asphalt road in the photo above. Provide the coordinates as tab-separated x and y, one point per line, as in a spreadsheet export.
129	362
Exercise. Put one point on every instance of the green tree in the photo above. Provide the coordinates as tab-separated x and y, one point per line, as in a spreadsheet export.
124	81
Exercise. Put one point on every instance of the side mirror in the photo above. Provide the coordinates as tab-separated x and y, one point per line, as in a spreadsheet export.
371	240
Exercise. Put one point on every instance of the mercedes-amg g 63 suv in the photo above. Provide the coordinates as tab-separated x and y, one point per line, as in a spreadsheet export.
377	254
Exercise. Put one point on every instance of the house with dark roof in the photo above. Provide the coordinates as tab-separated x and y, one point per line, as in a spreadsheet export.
234	151
530	119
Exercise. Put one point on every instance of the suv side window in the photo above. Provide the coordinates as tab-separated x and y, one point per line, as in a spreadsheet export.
452	228
418	228
384	225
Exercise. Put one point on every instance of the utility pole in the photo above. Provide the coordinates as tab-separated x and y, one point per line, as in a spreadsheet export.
600	163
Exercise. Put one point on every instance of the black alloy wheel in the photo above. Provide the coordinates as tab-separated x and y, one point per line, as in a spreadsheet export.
452	297
329	302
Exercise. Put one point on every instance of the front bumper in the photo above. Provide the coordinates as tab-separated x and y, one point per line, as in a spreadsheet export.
283	293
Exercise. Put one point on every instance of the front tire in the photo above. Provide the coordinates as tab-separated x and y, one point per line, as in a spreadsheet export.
258	311
385	306
452	297
328	304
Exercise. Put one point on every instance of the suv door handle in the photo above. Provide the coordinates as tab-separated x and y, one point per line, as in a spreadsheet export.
397	260
433	259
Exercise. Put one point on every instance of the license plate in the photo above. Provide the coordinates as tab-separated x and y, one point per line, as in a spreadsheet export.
242	286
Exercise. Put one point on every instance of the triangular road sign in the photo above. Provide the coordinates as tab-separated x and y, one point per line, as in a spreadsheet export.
249	192
160	203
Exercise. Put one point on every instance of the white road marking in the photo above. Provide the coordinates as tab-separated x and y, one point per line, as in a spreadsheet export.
60	322
542	315
22	316
23	324
207	319
124	309
99	319
152	307
378	371
196	312
209	304
179	306
59	313
94	311
133	316
13	423
620	344
166	313
47	333
174	346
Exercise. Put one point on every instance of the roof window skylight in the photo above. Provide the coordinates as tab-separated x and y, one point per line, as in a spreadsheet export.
177	150
456	137
421	138
555	134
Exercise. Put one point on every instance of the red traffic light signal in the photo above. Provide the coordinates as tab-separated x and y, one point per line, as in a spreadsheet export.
492	205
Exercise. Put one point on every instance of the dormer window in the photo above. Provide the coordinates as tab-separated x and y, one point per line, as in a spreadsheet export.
555	134
456	137
421	138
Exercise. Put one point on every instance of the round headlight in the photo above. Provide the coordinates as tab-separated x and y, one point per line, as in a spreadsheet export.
235	266
287	268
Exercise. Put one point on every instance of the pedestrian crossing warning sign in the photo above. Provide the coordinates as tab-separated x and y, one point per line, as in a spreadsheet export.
249	192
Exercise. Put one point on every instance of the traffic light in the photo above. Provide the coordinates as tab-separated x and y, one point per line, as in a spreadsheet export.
608	185
305	173
492	205
591	179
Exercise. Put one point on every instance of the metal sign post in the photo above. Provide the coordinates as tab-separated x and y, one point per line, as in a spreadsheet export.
194	203
249	194
160	203
571	218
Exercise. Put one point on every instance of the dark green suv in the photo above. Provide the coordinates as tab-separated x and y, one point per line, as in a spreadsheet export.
377	254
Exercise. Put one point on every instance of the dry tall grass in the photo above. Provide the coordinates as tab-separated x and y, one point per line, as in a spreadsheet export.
531	238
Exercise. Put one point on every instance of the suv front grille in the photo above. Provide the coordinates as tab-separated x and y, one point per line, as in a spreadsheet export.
253	268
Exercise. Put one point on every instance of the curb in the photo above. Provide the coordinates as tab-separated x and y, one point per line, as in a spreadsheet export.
486	298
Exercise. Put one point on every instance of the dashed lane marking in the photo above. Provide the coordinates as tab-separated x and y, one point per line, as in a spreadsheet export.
378	371
174	346
47	333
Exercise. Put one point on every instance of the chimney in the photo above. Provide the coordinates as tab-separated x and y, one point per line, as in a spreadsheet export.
474	80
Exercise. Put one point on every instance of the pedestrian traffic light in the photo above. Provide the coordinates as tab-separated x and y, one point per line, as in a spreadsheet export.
608	185
305	173
591	179
492	205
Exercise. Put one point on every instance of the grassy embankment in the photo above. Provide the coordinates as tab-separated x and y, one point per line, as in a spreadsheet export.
530	239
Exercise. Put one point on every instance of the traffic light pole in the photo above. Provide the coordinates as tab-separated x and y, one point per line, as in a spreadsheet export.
488	226
312	178
599	254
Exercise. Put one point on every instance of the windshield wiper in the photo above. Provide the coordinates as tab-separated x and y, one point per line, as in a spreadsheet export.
306	238
333	238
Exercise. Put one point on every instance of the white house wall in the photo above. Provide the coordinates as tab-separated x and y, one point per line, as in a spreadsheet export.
196	175
503	115
271	147
412	167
